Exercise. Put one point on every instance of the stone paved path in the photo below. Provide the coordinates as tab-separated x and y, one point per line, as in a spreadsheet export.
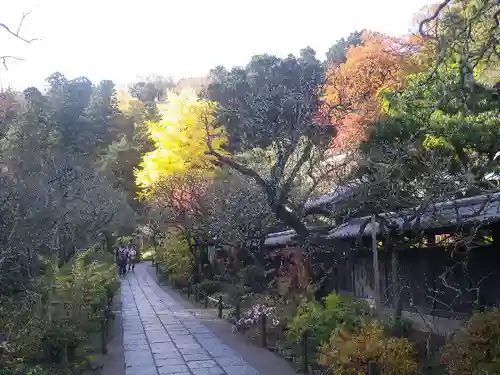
160	337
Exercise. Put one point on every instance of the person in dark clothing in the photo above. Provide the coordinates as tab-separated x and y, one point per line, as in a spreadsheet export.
122	260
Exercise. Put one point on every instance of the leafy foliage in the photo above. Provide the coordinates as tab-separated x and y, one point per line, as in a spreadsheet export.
474	349
352	89
253	276
320	321
208	287
39	318
175	256
258	104
253	316
180	139
350	353
49	183
436	117
465	33
337	53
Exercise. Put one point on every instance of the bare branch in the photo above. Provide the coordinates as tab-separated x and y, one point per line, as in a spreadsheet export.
5	58
16	33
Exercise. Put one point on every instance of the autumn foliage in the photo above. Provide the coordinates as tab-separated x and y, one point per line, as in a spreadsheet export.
353	88
180	140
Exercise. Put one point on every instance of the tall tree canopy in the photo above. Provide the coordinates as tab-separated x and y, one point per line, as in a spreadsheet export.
260	104
273	104
337	54
180	139
445	124
353	88
53	198
467	33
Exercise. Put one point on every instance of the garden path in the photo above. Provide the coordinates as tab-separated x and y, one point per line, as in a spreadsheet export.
161	336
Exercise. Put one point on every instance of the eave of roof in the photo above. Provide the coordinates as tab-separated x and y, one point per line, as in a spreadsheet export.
477	209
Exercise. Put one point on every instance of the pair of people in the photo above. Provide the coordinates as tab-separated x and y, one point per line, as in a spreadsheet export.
125	255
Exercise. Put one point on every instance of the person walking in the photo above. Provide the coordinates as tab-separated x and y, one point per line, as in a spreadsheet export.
117	253
132	258
122	260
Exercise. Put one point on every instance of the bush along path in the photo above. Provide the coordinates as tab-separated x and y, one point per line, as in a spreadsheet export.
161	337
60	324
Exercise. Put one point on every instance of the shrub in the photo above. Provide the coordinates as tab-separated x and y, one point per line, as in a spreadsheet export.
75	304
253	317
350	353
175	256
322	321
475	349
399	327
253	276
148	253
22	328
123	239
178	281
236	293
208	287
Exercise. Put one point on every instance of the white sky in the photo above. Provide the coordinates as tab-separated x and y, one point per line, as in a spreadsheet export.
121	40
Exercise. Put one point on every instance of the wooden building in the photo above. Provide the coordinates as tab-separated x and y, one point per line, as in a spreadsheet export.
448	259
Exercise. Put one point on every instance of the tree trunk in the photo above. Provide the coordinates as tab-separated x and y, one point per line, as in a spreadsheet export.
109	241
376	269
197	263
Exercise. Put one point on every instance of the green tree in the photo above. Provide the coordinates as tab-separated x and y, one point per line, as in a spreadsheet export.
337	54
151	91
273	104
53	200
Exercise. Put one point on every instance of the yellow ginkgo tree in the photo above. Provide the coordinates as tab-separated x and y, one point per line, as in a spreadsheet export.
180	141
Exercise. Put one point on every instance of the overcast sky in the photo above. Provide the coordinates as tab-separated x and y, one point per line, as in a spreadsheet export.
121	40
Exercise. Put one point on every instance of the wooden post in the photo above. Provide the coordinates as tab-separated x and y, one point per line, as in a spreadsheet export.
154	245
221	306
396	288
157	268
376	269
205	301
103	337
305	363
372	368
189	290
495	234
263	333
64	355
237	309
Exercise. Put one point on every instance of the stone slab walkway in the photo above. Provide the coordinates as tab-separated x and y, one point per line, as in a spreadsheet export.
160	337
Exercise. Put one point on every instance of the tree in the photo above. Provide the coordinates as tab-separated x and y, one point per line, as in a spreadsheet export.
130	141
352	90
467	33
273	104
53	200
194	83
258	103
433	114
452	107
436	141
337	54
151	91
10	102
237	212
180	140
